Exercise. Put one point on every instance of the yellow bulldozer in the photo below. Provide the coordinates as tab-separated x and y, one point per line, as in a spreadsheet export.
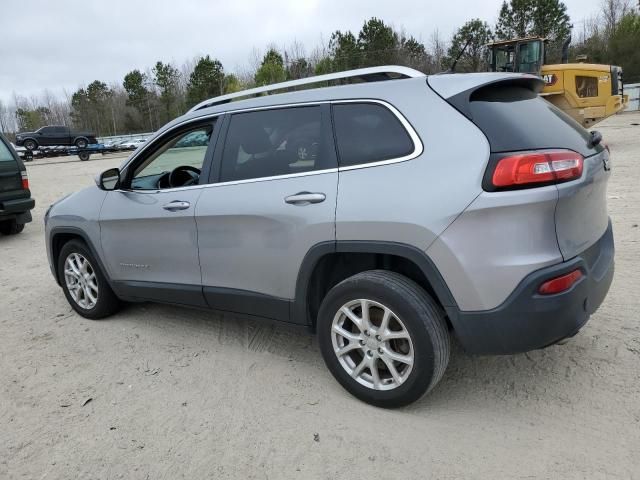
586	91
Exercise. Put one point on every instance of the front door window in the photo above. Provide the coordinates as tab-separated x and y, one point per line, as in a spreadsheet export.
175	163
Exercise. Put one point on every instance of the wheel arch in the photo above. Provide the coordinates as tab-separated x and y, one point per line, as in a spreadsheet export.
33	139
328	263
60	236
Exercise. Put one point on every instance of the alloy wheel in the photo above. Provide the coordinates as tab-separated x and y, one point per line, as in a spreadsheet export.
372	344
81	280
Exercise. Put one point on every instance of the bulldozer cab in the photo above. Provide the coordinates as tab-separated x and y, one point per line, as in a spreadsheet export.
523	55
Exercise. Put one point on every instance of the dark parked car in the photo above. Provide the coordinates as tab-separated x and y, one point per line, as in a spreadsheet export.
15	197
54	135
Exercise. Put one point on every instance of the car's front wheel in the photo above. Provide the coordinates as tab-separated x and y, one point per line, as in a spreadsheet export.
383	338
81	143
83	283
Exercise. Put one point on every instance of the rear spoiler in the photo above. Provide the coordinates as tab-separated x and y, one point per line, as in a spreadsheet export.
457	89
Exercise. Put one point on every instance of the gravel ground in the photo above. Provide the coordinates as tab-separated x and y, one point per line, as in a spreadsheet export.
177	393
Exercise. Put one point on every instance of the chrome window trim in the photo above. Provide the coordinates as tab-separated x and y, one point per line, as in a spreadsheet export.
237	182
417	143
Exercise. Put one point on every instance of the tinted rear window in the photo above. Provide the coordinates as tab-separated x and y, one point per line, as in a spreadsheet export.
5	153
515	118
367	132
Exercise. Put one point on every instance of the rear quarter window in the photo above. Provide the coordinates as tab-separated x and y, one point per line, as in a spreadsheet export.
369	132
516	118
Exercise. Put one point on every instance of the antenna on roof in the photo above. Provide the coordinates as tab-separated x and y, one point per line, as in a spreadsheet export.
452	68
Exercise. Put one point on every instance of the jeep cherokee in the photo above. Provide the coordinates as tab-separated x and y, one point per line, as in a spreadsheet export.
387	215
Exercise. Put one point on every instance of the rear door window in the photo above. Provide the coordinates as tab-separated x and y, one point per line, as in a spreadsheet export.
369	132
270	143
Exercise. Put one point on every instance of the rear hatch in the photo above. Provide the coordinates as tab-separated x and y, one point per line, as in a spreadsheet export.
516	121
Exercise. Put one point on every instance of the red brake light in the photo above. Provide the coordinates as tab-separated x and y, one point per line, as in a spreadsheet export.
561	283
25	180
537	167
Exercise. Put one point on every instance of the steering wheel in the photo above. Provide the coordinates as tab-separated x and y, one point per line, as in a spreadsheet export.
183	176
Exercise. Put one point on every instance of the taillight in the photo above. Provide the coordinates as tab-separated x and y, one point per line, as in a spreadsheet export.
533	168
25	180
561	283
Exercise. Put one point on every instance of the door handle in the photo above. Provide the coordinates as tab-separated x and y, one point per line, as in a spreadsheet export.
176	205
305	198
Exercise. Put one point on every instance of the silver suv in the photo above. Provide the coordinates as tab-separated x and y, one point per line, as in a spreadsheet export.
387	214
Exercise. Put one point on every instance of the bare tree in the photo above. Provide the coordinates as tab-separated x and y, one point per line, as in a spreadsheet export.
438	50
7	118
612	12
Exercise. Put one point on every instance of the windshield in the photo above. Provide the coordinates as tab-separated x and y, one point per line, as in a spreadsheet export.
528	58
503	58
515	118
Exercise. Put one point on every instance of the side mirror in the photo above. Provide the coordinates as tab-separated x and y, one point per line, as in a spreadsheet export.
109	179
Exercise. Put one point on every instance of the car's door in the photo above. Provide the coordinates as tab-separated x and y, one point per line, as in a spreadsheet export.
274	198
56	136
45	136
64	135
147	225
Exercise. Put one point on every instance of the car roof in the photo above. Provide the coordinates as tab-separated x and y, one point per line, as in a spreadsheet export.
374	90
339	92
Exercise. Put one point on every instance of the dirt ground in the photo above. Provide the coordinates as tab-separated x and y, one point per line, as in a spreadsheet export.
178	393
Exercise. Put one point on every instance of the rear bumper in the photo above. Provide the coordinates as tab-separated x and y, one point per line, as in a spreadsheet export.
527	320
18	209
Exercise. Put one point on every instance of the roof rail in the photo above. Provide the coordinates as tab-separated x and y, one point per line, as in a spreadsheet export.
371	74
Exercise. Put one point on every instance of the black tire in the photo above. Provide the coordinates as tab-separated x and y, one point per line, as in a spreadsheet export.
11	227
30	144
81	142
107	303
84	156
422	317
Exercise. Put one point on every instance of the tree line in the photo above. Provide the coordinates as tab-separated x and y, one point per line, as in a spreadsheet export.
145	100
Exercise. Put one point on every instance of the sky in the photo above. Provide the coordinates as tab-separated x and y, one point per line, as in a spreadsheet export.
64	44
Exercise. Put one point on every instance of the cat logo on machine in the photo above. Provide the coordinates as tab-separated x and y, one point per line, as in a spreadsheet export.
550	79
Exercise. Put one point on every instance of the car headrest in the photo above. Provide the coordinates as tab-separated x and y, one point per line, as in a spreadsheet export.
257	142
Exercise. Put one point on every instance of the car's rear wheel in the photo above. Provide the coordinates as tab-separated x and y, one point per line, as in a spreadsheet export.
11	227
383	338
30	144
81	143
83	283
